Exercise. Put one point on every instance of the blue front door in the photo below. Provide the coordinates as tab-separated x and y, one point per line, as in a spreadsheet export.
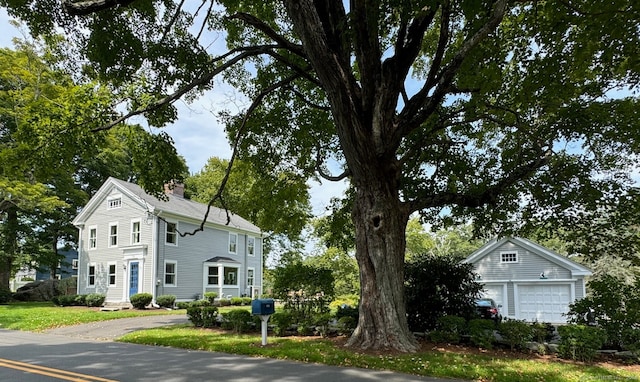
133	278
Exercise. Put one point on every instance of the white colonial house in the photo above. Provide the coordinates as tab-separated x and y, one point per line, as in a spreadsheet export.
131	242
531	282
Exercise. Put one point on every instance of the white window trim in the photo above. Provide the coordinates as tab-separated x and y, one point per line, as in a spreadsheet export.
235	251
115	273
112	198
166	226
74	264
175	273
113	224
139	221
93	227
517	258
249	239
95	275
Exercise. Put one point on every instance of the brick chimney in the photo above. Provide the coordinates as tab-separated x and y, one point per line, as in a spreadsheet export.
173	188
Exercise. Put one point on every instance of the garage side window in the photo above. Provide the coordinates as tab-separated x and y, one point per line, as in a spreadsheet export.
509	257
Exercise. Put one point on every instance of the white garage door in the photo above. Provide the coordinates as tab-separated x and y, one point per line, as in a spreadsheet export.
495	292
543	303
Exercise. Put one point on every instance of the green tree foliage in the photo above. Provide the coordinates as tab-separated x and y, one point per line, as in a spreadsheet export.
501	112
438	286
51	162
277	203
343	266
305	290
613	306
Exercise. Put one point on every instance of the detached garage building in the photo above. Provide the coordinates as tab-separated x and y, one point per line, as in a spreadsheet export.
531	282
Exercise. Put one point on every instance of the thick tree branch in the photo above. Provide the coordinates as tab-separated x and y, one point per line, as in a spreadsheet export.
204	80
234	153
489	195
86	7
267	30
423	103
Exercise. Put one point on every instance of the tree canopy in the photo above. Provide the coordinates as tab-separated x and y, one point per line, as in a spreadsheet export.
505	112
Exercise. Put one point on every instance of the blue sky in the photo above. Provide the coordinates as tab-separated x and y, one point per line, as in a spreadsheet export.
196	133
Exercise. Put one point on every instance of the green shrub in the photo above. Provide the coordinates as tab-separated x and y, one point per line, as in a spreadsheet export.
631	340
166	300
516	333
448	285
80	300
5	295
448	329
203	316
281	321
65	300
236	301
346	325
612	305
237	320
224	302
481	332
183	304
141	300
95	299
542	331
580	342
246	300
210	296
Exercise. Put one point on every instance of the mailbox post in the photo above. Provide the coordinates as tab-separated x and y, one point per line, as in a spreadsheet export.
264	308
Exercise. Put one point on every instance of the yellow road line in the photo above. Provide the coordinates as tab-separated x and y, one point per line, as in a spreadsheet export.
51	372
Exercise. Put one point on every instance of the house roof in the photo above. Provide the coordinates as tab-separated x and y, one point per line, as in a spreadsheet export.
174	205
575	268
221	259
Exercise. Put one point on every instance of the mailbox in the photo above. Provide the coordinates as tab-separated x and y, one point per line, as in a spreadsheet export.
263	307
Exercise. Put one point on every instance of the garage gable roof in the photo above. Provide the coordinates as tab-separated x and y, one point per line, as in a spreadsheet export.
575	268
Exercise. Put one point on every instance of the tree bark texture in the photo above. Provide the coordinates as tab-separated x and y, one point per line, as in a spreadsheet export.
10	246
380	245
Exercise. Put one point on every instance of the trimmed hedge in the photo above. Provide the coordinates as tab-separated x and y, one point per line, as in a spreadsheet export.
166	300
95	299
141	300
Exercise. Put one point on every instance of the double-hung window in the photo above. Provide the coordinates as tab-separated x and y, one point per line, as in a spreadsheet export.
171	233
112	273
212	276
233	242
93	238
251	246
170	268
113	234
135	232
91	275
250	276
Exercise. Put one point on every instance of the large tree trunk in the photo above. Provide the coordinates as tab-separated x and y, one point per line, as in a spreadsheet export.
380	223
9	241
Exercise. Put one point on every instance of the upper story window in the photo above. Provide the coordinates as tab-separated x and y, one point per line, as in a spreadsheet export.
113	234
93	238
172	233
233	242
251	246
508	257
135	232
114	202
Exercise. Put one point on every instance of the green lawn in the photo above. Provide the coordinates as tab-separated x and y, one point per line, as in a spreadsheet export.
44	315
429	362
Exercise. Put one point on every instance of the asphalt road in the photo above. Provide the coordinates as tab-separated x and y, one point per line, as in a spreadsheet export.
27	357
